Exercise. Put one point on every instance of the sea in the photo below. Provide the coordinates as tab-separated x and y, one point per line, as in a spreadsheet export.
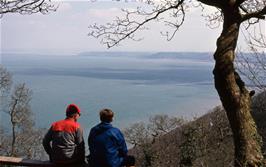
135	85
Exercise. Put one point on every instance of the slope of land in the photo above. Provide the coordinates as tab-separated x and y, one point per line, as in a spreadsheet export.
206	141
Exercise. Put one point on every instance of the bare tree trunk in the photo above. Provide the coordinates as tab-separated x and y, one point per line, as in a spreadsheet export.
13	140
235	97
13	128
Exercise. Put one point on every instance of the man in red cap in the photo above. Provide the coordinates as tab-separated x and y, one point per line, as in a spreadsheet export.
64	141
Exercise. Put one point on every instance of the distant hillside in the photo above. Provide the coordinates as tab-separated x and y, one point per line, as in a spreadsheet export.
202	56
199	56
207	141
153	55
112	54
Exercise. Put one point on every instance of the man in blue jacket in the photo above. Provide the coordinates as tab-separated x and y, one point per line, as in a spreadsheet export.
107	144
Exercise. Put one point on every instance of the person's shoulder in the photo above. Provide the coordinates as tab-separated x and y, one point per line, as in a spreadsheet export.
115	129
116	132
65	125
65	121
74	124
94	127
57	122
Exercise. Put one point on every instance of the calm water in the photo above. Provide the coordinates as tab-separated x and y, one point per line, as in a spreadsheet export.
135	85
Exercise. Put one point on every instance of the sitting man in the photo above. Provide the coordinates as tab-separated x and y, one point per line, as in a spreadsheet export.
107	145
64	141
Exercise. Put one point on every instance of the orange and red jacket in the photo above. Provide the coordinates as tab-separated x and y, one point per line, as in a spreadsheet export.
64	142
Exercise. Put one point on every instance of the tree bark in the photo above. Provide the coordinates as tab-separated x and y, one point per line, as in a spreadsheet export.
13	122
13	141
234	95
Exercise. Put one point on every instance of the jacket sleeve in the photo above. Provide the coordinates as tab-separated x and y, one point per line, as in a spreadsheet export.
90	142
121	144
80	144
46	142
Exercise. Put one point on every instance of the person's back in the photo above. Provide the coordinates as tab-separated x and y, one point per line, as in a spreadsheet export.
66	138
107	145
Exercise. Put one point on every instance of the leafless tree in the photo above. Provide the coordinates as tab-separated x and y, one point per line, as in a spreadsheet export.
29	142
162	124
5	86
136	134
253	64
142	135
232	91
158	125
23	139
259	115
5	80
20	113
26	6
3	141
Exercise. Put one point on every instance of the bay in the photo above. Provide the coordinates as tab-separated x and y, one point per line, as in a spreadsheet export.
135	85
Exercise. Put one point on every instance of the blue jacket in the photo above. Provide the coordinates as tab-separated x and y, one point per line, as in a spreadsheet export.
107	146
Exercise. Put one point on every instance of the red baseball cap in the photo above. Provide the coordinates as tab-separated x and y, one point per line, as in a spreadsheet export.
73	108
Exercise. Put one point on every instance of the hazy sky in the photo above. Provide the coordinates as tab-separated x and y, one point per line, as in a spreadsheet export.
65	31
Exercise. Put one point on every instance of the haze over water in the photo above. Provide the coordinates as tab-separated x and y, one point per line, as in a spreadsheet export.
134	85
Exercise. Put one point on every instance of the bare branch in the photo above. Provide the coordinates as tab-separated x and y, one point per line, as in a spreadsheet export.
19	112
113	33
136	134
250	66
5	80
140	133
239	2
253	65
26	6
215	3
24	139
258	14
214	19
243	8
175	25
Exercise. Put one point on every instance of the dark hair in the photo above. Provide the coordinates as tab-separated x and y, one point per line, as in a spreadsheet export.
106	115
71	111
